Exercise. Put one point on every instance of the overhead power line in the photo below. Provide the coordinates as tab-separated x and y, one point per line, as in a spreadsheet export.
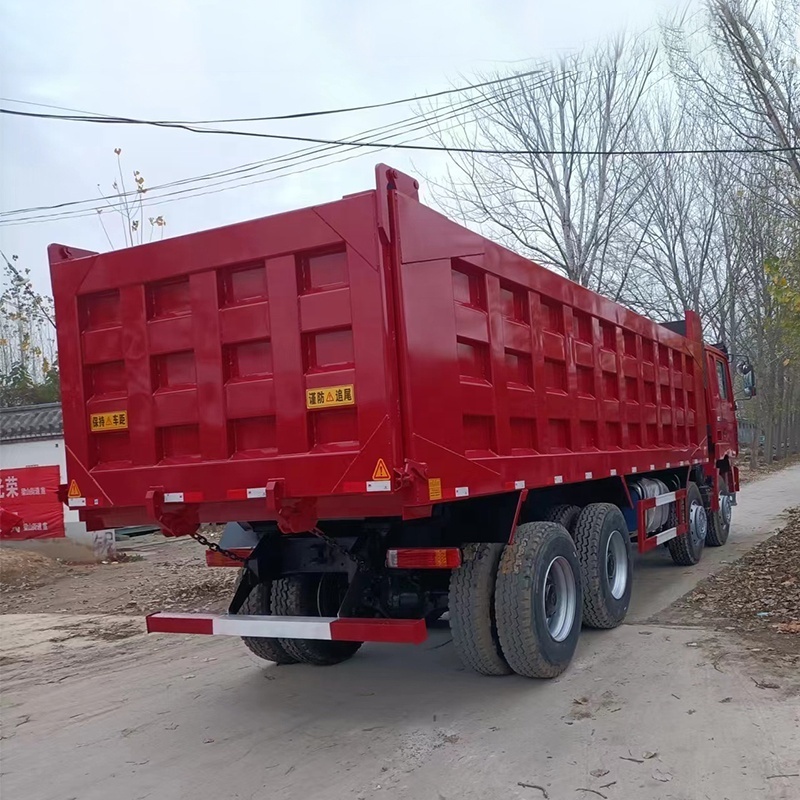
313	153
249	174
242	175
304	114
399	146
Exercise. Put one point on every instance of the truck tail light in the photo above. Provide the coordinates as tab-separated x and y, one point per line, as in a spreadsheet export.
424	558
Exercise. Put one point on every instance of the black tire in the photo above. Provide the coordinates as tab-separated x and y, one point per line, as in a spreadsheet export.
686	550
259	602
718	527
604	551
541	555
565	515
471	603
307	595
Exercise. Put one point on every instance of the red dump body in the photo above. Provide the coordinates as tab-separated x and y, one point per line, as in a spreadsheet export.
367	357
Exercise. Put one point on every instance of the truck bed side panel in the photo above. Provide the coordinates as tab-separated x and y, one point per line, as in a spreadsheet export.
523	377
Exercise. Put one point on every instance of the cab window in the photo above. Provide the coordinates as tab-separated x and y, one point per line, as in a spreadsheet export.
721	379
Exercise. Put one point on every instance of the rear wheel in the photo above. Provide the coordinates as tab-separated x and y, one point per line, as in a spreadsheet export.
472	619
603	544
687	549
565	515
259	602
538	600
719	522
312	595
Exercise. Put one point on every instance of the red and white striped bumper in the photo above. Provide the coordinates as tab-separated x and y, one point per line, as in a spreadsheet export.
399	631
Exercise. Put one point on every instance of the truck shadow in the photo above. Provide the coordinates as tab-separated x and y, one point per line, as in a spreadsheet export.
384	683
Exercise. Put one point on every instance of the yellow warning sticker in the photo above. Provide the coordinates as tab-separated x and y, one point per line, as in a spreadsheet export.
381	473
111	421
73	490
330	397
434	488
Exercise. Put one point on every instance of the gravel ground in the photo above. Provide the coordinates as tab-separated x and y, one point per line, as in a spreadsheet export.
20	569
155	574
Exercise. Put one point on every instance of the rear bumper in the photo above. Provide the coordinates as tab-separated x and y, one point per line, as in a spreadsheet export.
399	631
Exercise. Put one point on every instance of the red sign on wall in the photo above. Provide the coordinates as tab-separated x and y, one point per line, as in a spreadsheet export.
31	493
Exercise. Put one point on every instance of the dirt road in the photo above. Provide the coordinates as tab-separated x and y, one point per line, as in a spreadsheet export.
99	711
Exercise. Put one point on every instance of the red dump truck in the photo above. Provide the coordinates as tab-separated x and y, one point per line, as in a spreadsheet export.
405	418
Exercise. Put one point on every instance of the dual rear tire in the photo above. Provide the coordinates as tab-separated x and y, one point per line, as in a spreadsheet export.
519	607
302	595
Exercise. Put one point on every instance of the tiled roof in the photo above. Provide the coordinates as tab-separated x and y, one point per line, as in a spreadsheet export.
31	422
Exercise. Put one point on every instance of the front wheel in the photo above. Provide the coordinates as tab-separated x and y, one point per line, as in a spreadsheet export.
719	522
538	600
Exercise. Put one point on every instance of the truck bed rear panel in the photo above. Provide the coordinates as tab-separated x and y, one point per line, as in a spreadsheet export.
211	363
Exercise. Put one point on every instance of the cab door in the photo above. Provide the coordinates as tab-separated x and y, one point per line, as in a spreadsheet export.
722	410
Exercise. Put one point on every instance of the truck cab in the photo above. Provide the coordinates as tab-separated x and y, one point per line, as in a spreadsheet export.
722	427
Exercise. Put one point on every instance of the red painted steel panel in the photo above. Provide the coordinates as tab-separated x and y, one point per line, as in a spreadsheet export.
468	364
398	631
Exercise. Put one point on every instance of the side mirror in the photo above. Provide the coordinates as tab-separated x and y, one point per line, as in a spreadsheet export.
748	379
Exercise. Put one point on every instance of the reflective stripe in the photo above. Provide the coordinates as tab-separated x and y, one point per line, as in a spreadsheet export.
663	499
403	631
183	497
665	536
284	627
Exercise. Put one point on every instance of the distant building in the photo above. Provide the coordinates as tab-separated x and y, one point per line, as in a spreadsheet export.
33	436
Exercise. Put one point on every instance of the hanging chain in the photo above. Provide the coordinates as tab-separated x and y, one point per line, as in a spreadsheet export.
339	548
330	541
198	537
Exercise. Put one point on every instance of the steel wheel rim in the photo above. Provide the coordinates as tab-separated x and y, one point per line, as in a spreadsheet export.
616	564
726	509
559	598
698	522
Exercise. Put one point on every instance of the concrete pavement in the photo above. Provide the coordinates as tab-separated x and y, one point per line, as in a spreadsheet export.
645	712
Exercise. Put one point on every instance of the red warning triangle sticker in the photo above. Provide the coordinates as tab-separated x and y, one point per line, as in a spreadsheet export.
73	491
381	473
329	397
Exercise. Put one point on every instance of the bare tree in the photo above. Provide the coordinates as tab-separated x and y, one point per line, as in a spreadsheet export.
749	75
562	208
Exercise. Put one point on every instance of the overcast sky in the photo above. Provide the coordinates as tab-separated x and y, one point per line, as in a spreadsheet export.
201	59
